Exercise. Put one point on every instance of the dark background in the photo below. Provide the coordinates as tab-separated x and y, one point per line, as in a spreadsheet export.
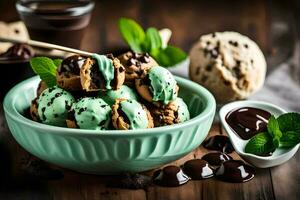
272	24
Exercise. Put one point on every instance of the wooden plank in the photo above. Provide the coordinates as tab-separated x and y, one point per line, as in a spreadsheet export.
258	188
16	185
286	179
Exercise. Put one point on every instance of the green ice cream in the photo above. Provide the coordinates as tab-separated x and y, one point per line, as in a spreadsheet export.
53	106
135	113
183	112
106	68
163	85
92	113
124	92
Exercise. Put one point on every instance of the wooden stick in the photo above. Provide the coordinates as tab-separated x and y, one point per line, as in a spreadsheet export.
46	45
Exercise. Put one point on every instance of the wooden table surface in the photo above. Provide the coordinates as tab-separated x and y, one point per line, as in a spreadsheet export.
22	180
188	20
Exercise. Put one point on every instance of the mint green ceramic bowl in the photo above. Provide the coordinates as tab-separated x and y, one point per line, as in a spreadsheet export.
110	152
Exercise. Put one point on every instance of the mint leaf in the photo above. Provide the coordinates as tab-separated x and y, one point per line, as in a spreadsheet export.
289	125
132	33
169	56
260	144
274	131
289	122
289	139
57	62
45	68
153	40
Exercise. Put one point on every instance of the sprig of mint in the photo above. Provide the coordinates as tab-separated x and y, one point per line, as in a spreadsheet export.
282	132
149	42
274	131
260	144
46	69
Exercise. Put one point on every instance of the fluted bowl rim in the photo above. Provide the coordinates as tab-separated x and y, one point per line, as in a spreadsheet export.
14	93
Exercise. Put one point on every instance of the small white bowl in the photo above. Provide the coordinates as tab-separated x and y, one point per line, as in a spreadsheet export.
278	157
181	69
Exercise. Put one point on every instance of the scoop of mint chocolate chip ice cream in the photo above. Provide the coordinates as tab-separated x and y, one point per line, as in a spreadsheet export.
158	86
90	113
53	106
124	92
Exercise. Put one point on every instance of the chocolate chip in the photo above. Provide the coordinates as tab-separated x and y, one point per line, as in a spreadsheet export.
131	61
39	169
237	72
81	110
226	82
121	69
198	70
204	79
233	43
131	181
246	46
58	95
209	67
110	56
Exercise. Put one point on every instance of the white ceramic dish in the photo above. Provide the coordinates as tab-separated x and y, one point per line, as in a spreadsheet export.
181	69
278	157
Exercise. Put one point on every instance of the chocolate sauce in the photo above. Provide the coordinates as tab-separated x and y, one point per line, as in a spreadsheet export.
219	143
247	122
235	171
198	169
71	64
138	59
17	52
170	176
216	158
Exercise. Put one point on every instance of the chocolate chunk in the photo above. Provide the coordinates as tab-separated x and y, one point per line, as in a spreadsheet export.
227	82
131	181
39	169
110	56
237	72
17	52
209	67
198	70
71	64
121	69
